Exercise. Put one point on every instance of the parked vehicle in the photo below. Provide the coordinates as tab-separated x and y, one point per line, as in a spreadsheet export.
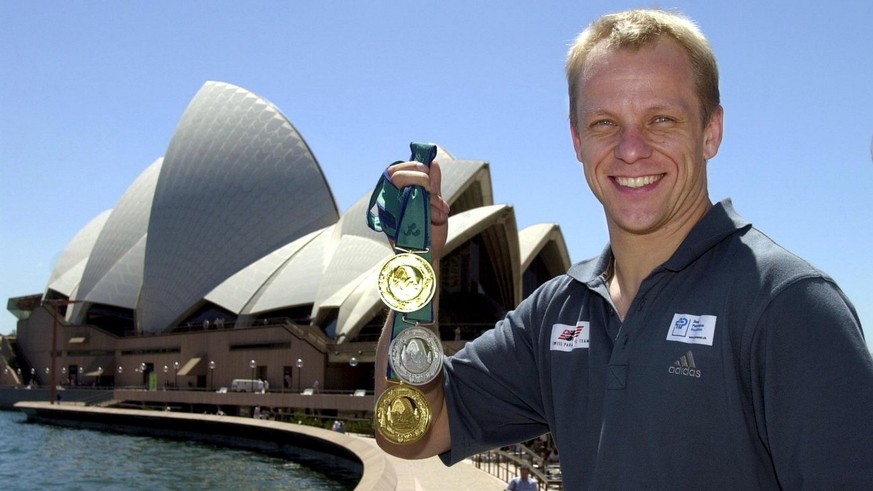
249	385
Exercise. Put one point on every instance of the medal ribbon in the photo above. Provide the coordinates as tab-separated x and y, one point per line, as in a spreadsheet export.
392	206
404	216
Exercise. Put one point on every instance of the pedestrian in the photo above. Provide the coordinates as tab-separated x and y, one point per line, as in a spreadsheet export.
694	352
523	481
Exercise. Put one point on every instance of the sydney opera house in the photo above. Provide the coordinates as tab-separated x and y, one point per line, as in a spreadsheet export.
228	258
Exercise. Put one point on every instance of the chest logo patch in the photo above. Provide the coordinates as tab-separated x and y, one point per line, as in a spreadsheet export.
692	329
567	338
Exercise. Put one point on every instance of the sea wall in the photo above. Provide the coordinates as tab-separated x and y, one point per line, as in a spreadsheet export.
348	457
11	395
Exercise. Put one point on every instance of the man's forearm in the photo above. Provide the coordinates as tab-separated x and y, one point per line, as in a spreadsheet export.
436	440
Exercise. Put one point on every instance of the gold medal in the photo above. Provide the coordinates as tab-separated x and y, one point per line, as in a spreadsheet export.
402	414
416	355
406	282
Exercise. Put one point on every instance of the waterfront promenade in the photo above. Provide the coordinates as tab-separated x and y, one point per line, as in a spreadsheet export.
379	471
431	475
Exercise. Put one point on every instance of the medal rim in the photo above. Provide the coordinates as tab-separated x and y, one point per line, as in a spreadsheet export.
386	399
431	339
427	290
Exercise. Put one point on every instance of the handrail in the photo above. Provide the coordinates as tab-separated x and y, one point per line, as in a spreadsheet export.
504	465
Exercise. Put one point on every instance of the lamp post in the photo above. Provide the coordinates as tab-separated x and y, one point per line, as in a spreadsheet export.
99	374
118	381
353	362
299	375
211	377
165	377
252	365
176	375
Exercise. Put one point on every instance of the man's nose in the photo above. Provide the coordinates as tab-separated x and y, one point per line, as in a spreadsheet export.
632	145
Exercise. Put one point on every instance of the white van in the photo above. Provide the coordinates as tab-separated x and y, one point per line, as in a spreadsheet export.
248	385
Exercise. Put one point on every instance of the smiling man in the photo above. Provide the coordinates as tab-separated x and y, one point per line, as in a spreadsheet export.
643	137
694	352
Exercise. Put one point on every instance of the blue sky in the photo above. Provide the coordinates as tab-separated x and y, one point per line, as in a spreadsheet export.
90	93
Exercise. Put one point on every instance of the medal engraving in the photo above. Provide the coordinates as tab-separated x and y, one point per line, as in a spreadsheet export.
406	282
416	355
402	414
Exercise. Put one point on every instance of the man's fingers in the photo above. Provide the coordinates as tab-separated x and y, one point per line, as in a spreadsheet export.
403	178
439	210
439	206
415	174
436	179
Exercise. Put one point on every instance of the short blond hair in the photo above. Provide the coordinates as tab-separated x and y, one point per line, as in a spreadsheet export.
637	28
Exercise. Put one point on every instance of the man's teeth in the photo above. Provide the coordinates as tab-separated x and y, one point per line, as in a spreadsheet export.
636	182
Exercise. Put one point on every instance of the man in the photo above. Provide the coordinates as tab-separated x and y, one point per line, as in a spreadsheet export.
693	352
522	482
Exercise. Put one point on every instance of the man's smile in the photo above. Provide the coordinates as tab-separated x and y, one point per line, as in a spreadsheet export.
637	182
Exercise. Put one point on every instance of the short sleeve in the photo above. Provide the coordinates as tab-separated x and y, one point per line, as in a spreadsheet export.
489	404
813	387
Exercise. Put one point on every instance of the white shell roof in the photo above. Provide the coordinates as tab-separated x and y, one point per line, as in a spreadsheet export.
114	273
63	278
238	214
241	289
296	282
534	238
237	183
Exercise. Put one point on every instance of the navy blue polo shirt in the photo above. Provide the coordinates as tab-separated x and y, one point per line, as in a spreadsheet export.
738	366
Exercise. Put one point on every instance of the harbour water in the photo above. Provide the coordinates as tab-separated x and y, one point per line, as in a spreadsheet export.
36	456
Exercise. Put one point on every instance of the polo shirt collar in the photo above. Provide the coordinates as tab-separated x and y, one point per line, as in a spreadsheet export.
719	222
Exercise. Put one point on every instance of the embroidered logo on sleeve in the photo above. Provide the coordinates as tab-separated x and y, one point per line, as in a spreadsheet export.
692	329
567	338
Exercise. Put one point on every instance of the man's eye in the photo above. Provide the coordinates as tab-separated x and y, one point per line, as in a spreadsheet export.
663	119
602	122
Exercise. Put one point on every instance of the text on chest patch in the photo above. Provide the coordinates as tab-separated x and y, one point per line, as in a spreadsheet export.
692	329
567	338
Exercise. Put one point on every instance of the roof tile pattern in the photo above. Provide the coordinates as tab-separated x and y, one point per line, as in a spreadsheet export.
237	183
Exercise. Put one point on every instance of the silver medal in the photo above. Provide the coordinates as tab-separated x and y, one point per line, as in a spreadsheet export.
416	355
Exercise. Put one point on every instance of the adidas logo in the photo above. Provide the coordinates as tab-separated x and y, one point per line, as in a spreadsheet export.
684	366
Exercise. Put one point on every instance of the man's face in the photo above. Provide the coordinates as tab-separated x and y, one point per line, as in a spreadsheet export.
641	139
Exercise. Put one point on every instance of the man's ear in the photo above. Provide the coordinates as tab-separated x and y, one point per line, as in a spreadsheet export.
713	133
577	141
